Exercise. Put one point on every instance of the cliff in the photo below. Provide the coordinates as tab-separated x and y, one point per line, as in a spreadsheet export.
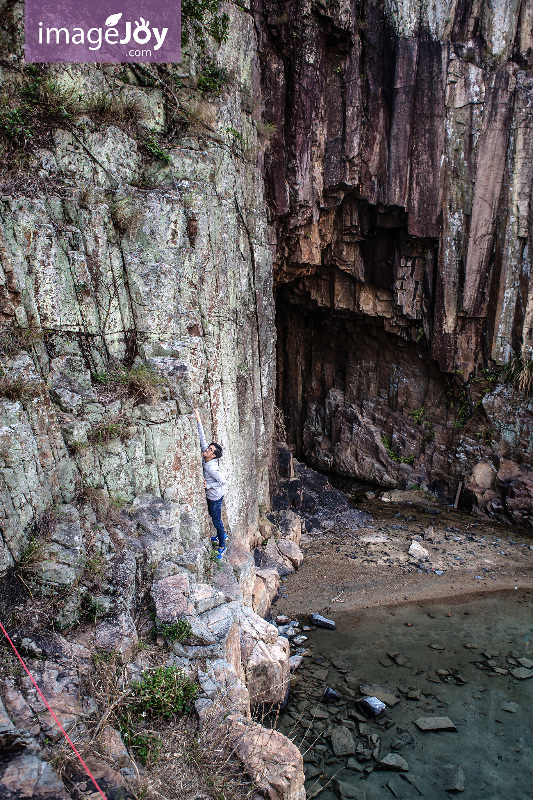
119	262
135	285
399	189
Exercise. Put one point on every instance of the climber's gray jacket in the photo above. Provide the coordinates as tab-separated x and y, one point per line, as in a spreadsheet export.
216	485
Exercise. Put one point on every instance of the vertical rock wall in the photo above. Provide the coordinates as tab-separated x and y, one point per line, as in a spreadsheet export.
112	258
399	186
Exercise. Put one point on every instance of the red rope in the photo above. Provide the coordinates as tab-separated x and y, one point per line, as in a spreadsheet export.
41	695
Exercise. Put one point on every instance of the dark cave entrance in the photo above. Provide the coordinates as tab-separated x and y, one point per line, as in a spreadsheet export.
360	394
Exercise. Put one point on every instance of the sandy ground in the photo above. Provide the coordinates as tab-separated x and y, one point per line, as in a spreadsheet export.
369	567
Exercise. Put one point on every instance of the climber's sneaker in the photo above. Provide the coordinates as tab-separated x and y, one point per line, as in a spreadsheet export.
214	541
220	553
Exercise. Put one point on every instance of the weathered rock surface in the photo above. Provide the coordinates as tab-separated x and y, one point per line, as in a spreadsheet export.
265	658
275	763
398	180
454	778
265	589
342	741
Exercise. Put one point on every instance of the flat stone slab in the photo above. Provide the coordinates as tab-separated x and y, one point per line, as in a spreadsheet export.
522	673
349	789
342	741
512	708
392	761
382	693
454	778
435	724
319	713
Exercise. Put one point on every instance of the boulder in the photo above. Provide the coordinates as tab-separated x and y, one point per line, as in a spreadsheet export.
290	526
484	474
205	597
269	557
222	623
265	658
290	550
273	762
265	589
171	597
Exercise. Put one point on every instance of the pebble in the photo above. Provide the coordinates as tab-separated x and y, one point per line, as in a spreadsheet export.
299	640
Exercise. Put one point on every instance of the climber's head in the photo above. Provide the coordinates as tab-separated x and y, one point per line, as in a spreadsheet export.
213	451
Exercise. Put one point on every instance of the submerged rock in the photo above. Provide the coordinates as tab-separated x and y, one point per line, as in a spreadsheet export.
454	778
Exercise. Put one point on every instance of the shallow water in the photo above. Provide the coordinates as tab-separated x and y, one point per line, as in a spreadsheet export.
493	747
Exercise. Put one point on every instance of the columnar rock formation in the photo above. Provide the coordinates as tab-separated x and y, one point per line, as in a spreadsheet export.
399	184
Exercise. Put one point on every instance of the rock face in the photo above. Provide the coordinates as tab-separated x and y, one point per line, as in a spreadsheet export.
399	183
273	761
132	263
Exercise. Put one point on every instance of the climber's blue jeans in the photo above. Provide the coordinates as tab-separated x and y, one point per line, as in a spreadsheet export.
215	510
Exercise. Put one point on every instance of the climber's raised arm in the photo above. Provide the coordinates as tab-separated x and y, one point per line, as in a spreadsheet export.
203	440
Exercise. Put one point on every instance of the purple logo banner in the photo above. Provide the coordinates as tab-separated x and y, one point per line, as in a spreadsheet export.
104	31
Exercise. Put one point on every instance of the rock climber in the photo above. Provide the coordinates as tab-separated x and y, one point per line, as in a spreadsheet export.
214	485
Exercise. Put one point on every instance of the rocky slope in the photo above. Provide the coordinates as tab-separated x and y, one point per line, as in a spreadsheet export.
399	185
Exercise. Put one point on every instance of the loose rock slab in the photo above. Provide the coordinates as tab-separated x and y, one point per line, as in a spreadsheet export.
392	761
454	778
522	673
435	724
383	694
345	788
342	741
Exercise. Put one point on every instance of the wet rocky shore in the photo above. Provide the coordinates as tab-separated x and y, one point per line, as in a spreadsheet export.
455	679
